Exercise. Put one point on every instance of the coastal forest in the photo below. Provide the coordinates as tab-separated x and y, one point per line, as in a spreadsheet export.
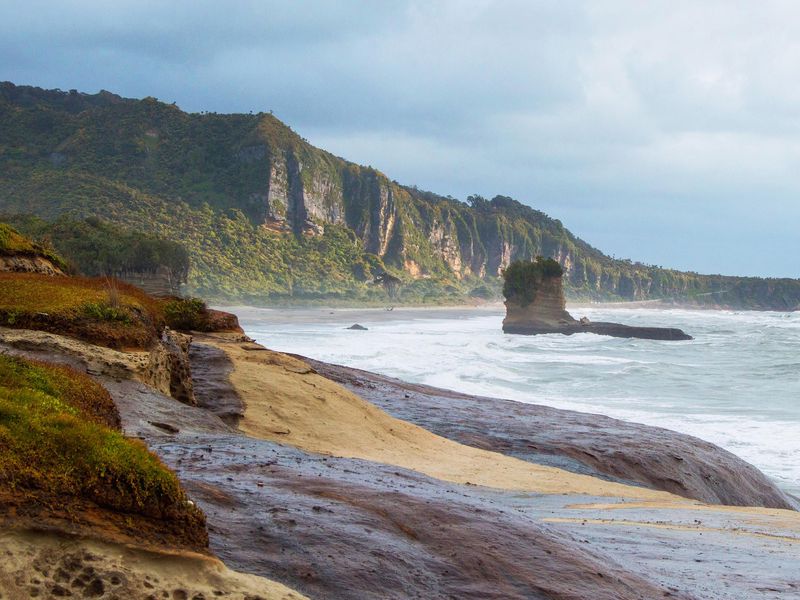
264	217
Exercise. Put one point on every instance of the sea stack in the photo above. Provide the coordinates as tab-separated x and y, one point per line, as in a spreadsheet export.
535	304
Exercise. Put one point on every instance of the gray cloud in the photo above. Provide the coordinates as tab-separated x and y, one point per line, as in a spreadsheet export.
662	131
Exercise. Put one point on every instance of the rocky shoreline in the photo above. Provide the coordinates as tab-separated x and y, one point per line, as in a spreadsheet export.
340	483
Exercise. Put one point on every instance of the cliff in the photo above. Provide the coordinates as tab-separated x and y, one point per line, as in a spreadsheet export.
268	217
546	310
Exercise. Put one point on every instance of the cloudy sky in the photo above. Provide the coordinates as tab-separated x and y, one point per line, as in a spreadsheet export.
667	132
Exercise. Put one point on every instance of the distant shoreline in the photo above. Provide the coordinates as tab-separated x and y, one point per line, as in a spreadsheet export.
356	314
476	307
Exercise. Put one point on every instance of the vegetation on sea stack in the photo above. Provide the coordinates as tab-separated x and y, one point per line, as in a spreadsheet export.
521	279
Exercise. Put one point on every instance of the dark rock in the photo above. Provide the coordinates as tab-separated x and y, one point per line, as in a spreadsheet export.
541	309
213	391
580	442
343	528
601	328
164	426
358	327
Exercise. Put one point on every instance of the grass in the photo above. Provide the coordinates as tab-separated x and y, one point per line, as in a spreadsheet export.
187	314
99	310
103	311
58	439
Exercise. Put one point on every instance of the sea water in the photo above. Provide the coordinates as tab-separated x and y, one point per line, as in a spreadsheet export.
737	384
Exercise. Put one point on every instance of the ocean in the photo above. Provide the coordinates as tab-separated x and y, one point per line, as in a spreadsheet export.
737	384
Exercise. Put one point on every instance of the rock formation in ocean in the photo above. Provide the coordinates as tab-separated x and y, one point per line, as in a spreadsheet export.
535	304
388	510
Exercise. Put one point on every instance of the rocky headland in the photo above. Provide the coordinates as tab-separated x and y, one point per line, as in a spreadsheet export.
339	483
535	304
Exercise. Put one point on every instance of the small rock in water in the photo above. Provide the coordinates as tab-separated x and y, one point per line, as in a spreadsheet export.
358	327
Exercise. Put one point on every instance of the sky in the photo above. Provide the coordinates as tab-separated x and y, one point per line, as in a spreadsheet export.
665	132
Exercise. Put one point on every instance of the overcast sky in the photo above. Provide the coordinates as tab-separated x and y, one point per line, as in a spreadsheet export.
667	132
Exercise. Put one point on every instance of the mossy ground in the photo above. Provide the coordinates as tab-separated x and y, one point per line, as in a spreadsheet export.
59	446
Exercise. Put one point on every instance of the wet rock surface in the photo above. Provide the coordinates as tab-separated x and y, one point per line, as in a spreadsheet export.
346	528
583	443
213	391
601	328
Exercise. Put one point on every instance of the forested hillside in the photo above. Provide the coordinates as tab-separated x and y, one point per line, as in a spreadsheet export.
266	217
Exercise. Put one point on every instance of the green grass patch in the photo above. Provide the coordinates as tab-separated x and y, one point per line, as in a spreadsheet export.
54	440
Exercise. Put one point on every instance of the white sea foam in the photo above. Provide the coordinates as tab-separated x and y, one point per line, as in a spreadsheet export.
737	384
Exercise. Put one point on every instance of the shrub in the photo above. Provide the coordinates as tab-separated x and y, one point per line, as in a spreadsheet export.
521	279
186	314
103	311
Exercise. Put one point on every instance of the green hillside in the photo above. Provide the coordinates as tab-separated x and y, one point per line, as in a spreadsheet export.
267	218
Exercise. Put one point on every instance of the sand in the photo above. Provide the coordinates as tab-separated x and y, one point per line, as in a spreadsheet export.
46	565
286	401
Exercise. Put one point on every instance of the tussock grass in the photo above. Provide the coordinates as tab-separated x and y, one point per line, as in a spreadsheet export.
56	440
113	314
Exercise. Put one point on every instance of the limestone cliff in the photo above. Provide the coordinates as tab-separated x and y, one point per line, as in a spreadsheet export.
196	177
548	308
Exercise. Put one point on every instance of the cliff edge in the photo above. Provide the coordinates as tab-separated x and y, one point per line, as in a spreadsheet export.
535	304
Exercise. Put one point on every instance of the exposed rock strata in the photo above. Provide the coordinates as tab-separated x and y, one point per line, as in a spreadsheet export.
51	565
168	366
165	367
29	264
